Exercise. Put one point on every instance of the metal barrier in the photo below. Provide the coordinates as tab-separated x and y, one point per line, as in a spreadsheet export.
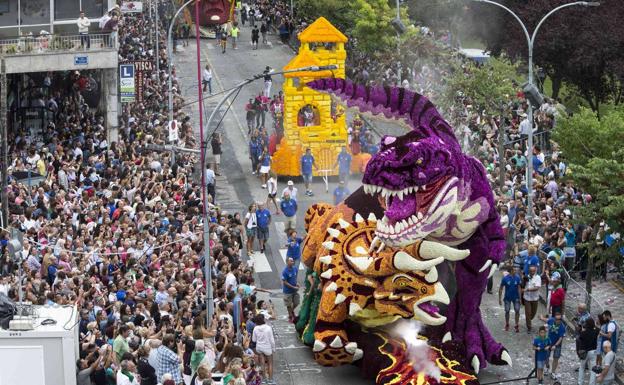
45	43
575	294
541	139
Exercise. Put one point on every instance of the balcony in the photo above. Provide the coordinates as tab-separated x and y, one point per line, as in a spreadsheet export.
52	52
46	43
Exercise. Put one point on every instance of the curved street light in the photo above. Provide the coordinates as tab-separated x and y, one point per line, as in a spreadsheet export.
530	43
170	58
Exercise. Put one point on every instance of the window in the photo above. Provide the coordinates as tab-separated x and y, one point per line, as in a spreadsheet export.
322	46
66	9
70	9
296	82
308	116
35	12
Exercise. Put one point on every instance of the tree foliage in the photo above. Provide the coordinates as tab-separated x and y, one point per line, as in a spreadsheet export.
582	46
595	151
487	86
365	21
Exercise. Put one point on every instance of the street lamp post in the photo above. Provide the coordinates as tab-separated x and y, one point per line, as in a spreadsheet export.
170	58
398	17
530	44
206	235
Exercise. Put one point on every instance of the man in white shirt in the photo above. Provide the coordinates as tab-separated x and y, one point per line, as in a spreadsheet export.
525	126
207	79
83	30
230	280
291	189
531	295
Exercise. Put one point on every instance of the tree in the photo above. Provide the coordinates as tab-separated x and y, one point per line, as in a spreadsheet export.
366	22
488	86
579	45
595	151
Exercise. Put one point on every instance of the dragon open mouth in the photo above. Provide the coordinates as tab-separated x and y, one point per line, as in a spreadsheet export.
415	211
411	303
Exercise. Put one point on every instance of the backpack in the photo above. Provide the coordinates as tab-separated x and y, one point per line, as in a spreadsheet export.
615	340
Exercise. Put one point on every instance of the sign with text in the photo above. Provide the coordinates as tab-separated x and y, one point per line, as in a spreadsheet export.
132	6
143	70
126	83
81	60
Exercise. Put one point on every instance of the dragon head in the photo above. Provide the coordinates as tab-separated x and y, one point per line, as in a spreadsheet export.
411	295
414	180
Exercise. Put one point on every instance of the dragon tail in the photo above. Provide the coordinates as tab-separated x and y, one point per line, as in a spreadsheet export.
393	103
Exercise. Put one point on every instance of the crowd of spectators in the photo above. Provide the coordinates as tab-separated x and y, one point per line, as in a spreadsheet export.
114	227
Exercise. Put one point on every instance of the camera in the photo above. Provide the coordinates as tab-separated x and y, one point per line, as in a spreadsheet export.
597	369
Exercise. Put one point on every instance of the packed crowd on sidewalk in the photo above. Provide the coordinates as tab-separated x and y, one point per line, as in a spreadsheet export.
114	228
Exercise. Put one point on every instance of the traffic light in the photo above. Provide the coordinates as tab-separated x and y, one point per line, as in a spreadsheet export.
532	94
398	25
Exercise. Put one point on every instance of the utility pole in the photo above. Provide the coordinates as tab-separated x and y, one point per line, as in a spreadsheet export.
399	69
501	150
157	38
5	149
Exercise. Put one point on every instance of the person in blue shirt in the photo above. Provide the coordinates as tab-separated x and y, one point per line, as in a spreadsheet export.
556	332
341	192
532	260
294	247
570	235
511	284
255	150
290	288
541	345
307	162
343	163
52	270
263	220
289	208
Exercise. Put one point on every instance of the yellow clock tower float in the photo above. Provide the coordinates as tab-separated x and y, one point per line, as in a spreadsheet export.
311	119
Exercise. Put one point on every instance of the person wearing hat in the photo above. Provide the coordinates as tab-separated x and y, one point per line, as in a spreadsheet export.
557	296
341	192
291	189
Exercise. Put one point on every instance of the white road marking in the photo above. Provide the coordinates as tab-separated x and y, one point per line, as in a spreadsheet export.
283	253
260	262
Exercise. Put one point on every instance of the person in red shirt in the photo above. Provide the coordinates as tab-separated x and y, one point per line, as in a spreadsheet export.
557	297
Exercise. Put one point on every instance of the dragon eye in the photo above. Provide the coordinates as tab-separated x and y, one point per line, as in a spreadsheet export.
419	161
423	290
402	283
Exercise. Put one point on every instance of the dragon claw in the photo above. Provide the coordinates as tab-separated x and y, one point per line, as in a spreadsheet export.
475	363
493	270
485	266
336	343
319	346
506	358
336	352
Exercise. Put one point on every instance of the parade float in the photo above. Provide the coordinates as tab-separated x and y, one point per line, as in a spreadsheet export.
395	273
311	118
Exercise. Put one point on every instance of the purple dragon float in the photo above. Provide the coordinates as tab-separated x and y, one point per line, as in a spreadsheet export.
422	187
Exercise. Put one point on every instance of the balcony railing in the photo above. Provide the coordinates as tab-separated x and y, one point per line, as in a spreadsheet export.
47	43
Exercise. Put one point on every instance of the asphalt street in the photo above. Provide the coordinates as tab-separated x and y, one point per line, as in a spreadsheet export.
238	188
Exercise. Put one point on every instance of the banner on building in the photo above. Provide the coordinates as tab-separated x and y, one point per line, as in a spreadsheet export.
127	91
131	6
143	70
